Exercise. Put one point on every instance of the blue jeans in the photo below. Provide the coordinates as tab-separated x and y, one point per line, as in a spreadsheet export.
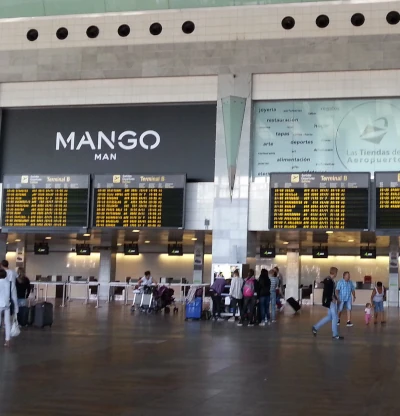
378	307
331	316
273	305
264	308
348	304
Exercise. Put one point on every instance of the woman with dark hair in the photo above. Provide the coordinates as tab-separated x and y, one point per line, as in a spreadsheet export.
264	295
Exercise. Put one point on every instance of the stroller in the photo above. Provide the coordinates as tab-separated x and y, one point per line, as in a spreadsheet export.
164	298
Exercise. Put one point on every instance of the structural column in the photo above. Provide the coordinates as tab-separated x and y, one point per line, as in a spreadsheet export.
393	295
292	273
3	246
107	266
198	265
232	169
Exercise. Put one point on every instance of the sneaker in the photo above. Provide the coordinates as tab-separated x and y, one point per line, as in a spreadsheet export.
231	319
338	337
220	319
273	321
251	325
314	331
268	322
239	324
338	321
349	323
262	323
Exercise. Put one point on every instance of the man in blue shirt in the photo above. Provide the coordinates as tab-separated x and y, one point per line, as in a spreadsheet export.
345	292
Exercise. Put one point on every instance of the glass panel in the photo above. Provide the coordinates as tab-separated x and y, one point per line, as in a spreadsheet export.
21	8
61	7
187	4
131	5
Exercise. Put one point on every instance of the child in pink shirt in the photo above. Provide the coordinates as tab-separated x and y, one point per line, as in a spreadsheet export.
367	313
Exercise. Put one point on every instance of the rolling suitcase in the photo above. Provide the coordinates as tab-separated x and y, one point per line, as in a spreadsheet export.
294	304
43	315
23	316
194	309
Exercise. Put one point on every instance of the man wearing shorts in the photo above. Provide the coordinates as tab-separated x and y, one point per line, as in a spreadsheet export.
345	292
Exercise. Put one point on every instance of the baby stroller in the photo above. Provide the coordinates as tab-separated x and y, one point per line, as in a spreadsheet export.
164	299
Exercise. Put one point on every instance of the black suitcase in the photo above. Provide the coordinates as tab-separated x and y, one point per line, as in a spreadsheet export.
43	315
294	304
23	316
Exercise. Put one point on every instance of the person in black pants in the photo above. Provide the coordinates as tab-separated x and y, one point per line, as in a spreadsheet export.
249	298
216	293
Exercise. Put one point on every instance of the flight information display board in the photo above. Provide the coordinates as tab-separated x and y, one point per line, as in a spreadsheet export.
387	200
45	201
319	201
139	201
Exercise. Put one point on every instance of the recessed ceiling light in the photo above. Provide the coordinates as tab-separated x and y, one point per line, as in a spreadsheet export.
119	244
136	231
147	242
7	242
286	242
350	241
17	240
47	238
86	235
329	232
194	239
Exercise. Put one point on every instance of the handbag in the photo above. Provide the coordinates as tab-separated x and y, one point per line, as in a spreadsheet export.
15	331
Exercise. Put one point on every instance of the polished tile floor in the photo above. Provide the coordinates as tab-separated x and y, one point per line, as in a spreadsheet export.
106	362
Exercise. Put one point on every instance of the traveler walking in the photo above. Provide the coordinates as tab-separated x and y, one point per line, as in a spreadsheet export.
377	298
8	293
264	296
329	301
249	298
346	295
273	276
236	294
216	290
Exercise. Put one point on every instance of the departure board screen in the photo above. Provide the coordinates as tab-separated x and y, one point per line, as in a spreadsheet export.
319	201
139	201
387	200
45	201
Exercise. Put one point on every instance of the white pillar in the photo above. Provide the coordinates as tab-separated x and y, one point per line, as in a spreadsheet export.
198	265
292	274
393	295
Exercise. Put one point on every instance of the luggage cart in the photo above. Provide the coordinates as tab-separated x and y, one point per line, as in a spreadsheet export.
143	302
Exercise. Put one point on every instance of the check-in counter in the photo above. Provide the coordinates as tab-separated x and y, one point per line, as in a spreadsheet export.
363	296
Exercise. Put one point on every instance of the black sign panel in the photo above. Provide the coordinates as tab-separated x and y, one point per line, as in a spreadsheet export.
267	252
45	201
320	253
41	249
387	200
83	250
175	250
319	200
131	249
367	253
139	201
97	140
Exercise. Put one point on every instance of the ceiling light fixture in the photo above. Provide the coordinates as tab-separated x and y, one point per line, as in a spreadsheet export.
119	244
286	242
194	239
136	231
147	242
86	235
350	241
47	238
17	240
329	232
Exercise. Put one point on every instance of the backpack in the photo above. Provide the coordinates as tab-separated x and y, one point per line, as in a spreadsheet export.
248	288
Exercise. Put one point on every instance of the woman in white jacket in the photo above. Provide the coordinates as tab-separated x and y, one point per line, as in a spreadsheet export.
236	293
8	292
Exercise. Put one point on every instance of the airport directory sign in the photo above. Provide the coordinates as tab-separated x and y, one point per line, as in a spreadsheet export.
45	201
138	201
387	200
319	201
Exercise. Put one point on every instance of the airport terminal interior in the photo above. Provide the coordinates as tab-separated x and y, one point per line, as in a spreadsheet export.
158	155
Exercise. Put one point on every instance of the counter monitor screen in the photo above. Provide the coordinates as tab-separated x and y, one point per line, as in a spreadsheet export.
387	200
131	249
41	248
267	252
175	250
367	253
83	250
319	201
45	201
139	201
320	253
